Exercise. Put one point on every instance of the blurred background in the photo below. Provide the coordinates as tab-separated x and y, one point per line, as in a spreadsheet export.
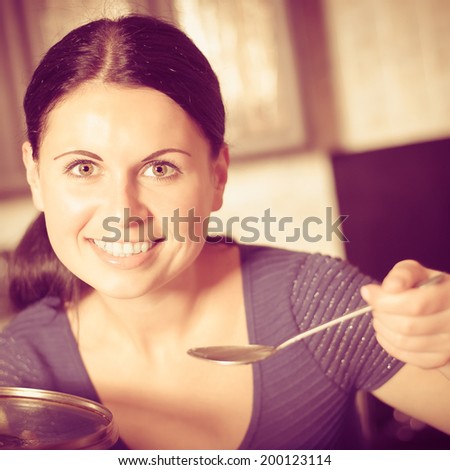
340	104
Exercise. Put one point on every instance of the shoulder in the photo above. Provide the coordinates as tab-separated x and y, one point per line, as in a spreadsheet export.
266	258
34	318
294	266
39	350
294	285
24	342
314	287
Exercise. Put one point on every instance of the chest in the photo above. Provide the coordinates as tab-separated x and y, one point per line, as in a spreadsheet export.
161	397
205	406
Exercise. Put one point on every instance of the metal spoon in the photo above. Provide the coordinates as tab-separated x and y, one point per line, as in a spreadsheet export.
247	354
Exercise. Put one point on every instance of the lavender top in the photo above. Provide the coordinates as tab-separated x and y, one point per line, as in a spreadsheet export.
304	398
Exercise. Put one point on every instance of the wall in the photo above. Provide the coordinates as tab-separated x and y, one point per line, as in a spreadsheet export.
297	186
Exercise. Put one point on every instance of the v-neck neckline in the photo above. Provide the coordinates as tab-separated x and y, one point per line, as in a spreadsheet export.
245	265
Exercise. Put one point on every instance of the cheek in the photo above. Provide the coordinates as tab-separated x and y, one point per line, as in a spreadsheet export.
66	211
194	193
196	200
182	211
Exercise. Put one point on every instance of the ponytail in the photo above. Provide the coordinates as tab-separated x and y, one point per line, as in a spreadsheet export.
35	272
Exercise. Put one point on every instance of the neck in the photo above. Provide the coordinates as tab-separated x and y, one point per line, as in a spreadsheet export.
164	316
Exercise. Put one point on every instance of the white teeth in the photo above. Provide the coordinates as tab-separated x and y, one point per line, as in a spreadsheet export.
123	249
101	244
128	248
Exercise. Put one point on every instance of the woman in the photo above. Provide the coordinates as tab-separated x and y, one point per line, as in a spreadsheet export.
125	138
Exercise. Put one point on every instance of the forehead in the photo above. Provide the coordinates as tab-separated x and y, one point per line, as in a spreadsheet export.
99	112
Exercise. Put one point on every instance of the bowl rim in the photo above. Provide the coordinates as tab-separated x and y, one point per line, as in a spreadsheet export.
107	434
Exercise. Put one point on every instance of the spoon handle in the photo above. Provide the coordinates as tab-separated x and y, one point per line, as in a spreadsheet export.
432	280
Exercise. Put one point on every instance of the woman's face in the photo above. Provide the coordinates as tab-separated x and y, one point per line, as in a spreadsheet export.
125	180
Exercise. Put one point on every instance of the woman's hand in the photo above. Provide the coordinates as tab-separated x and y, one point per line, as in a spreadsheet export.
412	324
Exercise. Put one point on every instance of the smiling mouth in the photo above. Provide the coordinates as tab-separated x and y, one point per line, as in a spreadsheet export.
125	249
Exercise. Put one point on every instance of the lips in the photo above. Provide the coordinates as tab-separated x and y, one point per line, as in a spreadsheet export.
124	249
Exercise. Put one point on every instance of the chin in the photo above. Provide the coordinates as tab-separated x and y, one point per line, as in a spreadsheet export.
123	291
122	288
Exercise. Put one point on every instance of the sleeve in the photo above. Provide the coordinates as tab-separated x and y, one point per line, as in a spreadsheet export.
38	350
349	354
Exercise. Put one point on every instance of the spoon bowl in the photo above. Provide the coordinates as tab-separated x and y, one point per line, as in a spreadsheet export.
232	355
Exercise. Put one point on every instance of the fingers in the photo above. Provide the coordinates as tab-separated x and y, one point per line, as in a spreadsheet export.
421	340
417	325
418	353
404	275
411	323
408	300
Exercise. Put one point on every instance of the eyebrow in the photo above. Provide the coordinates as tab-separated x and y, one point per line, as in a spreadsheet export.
85	153
158	153
152	156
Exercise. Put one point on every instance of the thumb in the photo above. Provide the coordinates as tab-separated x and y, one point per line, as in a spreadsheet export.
404	275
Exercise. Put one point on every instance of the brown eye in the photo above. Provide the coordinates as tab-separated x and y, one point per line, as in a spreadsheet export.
161	170
84	169
81	169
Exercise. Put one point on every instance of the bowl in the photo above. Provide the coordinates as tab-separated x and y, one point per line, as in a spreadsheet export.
42	419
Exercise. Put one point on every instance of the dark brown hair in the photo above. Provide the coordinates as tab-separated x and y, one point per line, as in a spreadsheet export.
136	51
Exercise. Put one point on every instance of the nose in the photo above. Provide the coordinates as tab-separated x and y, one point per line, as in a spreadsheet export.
126	208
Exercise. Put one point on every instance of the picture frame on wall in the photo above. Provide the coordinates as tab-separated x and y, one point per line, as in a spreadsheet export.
249	46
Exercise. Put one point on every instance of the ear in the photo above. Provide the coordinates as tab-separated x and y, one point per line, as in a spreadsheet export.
220	176
32	169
